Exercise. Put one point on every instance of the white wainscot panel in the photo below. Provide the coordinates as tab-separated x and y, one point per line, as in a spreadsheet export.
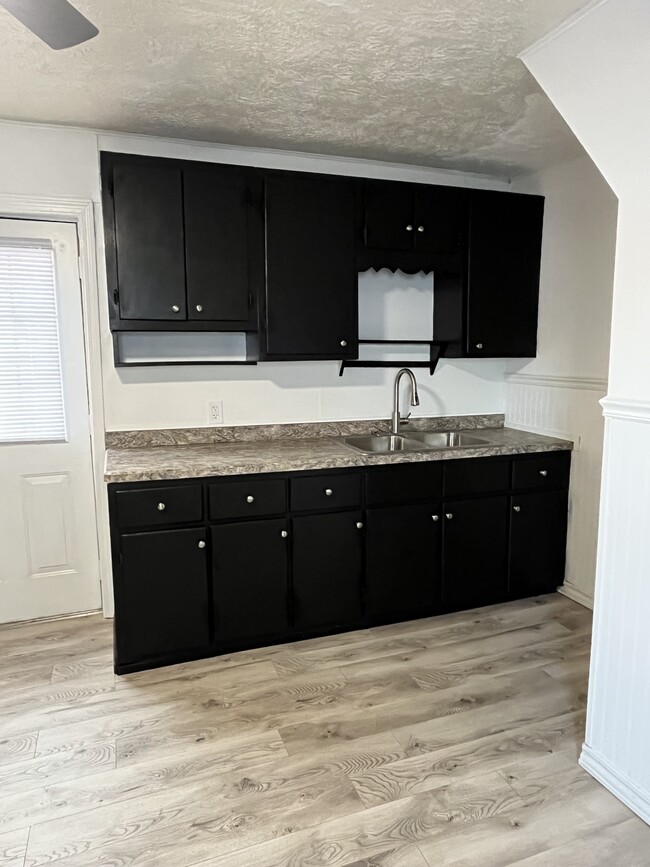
570	409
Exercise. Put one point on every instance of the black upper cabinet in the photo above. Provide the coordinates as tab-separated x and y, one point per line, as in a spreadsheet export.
311	277
504	260
389	215
178	244
414	217
150	262
216	245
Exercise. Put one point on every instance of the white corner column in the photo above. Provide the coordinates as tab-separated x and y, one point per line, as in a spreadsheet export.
596	70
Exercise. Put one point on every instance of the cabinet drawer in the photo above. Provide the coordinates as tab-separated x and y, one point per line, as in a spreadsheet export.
476	476
309	493
248	498
550	470
152	507
404	483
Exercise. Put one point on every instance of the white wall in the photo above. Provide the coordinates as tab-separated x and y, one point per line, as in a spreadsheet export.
596	70
49	161
558	392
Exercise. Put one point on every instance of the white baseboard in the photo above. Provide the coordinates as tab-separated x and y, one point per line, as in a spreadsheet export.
618	784
577	595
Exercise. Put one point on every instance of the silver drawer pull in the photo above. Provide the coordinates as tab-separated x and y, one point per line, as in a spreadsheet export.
435	517
409	228
517	508
199	308
201	544
175	308
420	228
328	492
250	499
284	534
161	507
359	525
449	515
543	473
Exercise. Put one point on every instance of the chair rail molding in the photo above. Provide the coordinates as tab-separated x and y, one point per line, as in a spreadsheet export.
82	213
626	409
580	382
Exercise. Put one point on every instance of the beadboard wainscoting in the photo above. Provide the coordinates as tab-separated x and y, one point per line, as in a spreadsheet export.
617	750
568	407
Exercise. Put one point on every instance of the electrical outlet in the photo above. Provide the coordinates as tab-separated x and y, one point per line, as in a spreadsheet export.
215	412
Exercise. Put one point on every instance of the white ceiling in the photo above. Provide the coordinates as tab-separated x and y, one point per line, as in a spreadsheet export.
430	82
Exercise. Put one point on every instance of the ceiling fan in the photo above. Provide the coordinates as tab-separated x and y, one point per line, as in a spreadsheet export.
56	22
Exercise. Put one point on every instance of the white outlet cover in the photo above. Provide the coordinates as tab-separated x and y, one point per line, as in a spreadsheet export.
215	412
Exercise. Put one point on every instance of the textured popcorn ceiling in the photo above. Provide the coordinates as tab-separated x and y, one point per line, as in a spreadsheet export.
431	82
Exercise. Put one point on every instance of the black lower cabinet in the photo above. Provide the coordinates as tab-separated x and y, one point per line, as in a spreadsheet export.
327	569
475	552
161	596
538	528
206	567
403	562
250	580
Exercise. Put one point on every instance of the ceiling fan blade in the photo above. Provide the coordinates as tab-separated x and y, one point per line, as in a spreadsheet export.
56	22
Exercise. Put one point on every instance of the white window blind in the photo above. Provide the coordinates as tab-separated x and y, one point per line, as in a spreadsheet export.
31	386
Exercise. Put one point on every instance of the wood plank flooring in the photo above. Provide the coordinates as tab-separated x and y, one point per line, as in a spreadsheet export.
448	741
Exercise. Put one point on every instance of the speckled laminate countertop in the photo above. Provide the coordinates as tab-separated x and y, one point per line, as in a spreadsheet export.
200	460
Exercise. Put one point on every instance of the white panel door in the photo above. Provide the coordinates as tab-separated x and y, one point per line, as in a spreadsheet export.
49	561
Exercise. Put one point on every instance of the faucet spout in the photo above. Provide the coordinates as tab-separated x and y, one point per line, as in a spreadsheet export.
415	399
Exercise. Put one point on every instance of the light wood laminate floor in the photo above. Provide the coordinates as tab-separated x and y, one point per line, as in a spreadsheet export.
448	741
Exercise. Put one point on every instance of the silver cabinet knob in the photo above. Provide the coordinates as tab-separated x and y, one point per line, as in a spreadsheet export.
284	534
409	228
420	228
250	499
344	343
359	525
161	507
199	308
479	346
175	308
201	544
543	473
435	517
328	492
449	515
517	508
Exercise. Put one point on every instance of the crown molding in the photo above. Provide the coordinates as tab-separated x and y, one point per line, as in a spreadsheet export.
576	382
566	25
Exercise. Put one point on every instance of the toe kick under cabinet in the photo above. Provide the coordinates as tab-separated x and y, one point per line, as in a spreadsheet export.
208	566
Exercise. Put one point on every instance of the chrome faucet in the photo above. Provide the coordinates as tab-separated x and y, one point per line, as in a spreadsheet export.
415	400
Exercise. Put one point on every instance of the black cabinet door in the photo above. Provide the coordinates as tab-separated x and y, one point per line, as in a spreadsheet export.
389	215
249	573
327	570
150	257
538	527
504	260
216	245
403	560
475	547
161	595
311	276
441	219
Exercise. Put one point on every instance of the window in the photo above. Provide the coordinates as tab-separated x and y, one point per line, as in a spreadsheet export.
31	386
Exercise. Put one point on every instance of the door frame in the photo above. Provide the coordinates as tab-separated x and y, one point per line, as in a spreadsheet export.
81	212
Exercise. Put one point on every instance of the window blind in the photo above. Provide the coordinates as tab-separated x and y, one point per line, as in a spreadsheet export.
31	385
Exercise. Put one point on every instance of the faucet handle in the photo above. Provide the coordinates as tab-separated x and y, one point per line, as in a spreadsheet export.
404	418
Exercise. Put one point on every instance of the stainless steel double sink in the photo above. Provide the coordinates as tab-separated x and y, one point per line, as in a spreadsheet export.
414	441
